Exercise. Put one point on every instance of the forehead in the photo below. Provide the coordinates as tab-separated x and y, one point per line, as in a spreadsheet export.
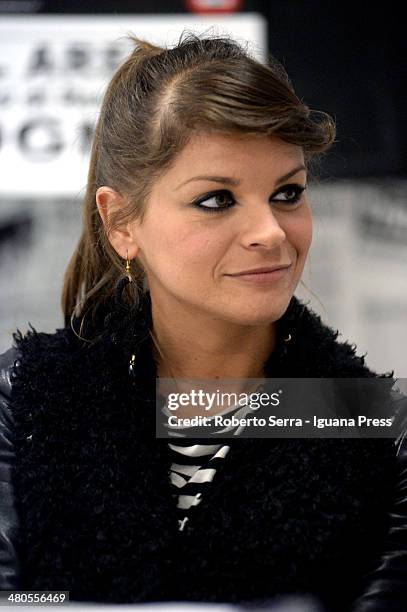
212	151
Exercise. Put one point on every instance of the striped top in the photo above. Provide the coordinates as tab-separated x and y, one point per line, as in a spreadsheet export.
193	466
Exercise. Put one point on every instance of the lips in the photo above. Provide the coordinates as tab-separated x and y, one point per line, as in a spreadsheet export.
262	277
261	270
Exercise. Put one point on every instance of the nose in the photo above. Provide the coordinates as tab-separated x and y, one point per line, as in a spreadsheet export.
262	229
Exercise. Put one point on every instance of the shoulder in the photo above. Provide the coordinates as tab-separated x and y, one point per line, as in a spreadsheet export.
9	518
385	587
400	420
28	366
41	351
8	361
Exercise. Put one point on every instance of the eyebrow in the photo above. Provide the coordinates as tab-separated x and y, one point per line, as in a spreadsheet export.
226	180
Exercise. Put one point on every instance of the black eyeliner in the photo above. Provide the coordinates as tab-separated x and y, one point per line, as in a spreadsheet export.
299	189
207	196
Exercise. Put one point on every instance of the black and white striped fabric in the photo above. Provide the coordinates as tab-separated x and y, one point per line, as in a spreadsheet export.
193	466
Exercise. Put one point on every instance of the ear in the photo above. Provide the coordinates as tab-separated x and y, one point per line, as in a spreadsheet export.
122	239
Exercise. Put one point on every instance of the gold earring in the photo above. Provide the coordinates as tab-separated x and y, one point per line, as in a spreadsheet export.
127	268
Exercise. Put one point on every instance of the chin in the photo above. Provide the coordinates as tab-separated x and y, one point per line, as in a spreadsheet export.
260	314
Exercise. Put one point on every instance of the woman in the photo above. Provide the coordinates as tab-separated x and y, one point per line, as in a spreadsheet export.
197	180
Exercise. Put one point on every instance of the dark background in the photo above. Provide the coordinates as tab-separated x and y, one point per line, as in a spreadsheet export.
347	59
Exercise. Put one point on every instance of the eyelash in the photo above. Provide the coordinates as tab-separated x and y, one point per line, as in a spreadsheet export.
298	190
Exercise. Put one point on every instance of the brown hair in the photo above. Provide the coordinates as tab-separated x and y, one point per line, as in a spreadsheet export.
154	102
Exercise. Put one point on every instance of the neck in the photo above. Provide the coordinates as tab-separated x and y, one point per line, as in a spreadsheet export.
192	346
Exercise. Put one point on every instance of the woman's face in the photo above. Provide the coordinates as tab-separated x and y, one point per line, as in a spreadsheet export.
199	234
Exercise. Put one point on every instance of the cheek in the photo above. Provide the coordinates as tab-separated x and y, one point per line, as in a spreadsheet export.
299	231
192	247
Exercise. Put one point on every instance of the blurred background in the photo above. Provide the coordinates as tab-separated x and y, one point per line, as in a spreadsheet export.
55	61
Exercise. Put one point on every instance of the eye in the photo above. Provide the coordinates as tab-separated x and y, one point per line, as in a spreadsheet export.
221	200
294	192
294	189
216	201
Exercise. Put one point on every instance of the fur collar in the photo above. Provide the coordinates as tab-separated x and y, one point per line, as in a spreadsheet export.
98	512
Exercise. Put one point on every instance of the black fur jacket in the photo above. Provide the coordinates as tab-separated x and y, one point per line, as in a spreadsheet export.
96	511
